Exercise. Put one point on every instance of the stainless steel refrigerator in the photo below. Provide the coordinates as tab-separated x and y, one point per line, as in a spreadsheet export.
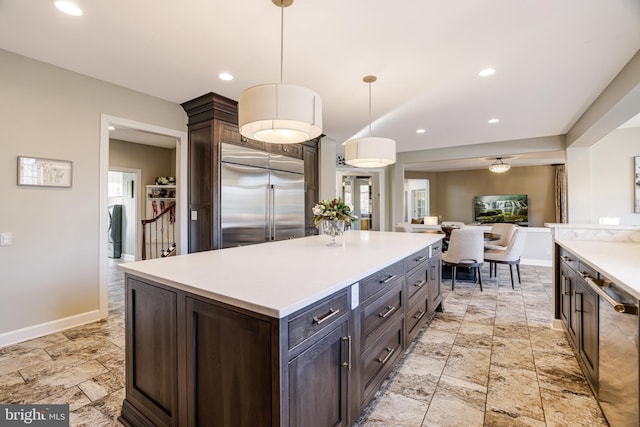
262	196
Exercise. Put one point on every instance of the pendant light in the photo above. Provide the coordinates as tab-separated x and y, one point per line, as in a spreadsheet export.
280	113
499	166
370	151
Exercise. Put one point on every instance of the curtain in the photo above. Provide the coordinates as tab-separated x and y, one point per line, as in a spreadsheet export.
560	193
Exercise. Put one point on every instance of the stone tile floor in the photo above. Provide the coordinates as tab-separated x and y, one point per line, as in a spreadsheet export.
489	360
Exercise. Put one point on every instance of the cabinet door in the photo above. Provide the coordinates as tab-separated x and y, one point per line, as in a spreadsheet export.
588	342
151	358
566	292
435	282
200	187
310	158
318	382
229	362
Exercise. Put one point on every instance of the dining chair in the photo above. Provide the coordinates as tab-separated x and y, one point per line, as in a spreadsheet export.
466	249
510	255
505	230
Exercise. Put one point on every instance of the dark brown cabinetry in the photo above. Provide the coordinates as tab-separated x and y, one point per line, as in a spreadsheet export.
212	120
579	312
311	186
192	361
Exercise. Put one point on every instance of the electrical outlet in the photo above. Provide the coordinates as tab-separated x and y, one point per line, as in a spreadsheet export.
6	239
194	215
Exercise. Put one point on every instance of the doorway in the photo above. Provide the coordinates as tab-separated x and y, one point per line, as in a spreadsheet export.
179	140
361	191
123	204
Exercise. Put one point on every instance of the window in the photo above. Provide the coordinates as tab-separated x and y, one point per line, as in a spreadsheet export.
115	184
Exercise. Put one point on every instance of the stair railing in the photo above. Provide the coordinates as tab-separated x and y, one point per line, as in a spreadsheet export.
161	239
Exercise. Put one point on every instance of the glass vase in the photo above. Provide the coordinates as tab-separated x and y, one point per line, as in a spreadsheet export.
333	228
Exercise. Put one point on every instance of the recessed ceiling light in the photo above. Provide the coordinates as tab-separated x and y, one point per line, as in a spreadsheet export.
225	76
421	131
493	121
69	7
112	128
487	72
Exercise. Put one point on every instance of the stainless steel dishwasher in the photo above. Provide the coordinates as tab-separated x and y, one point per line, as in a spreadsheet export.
618	356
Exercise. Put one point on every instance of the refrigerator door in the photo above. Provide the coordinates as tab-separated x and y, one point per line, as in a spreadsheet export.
243	205
288	205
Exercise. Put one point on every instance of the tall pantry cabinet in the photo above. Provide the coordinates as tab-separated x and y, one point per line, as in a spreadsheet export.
214	119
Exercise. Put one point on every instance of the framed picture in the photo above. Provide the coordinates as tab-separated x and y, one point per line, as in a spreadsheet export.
33	171
636	182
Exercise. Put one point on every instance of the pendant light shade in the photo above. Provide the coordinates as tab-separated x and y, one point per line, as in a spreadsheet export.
280	113
370	151
277	112
499	166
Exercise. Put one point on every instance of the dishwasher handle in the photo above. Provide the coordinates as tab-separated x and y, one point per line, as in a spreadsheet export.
617	305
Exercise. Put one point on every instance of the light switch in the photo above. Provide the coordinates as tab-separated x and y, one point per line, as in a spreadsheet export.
194	215
6	239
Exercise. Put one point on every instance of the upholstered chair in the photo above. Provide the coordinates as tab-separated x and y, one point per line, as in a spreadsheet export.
510	255
505	230
466	249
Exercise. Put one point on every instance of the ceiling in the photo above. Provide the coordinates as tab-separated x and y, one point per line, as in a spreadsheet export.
553	58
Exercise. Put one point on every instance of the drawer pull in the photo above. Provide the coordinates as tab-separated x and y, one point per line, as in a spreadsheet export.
420	259
419	315
390	309
419	283
390	351
329	315
388	279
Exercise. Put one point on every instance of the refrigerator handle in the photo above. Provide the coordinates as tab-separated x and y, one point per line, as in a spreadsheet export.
273	213
267	213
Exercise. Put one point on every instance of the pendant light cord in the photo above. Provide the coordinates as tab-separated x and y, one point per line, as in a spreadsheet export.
281	38
369	109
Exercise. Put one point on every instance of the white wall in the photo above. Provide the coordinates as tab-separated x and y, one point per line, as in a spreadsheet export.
612	172
51	272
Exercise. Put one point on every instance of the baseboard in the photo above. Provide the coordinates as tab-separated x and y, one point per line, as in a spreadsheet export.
36	331
535	262
557	325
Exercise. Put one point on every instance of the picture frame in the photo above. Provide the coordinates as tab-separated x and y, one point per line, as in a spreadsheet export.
636	184
41	172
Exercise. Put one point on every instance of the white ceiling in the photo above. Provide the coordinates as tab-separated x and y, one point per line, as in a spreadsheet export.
553	58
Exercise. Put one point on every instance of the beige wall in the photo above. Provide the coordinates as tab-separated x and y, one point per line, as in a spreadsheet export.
452	192
51	271
603	174
152	161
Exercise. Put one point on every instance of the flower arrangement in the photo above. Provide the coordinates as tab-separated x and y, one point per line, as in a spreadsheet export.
332	209
165	180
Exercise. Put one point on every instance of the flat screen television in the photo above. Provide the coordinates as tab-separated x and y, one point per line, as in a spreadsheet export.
501	208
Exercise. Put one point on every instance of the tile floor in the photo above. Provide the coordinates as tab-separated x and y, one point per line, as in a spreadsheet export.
489	360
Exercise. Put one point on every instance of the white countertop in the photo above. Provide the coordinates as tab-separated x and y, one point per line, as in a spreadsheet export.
279	278
619	262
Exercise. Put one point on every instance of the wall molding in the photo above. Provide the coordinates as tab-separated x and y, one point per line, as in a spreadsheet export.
42	329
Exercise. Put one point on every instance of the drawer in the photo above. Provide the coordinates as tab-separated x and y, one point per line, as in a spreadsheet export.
381	281
381	312
436	248
315	318
380	358
289	150
416	260
231	135
416	318
417	281
568	258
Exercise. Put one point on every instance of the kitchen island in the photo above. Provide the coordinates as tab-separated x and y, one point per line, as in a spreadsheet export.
287	333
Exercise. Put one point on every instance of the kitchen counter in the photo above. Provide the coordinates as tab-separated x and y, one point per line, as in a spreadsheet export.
619	262
278	278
